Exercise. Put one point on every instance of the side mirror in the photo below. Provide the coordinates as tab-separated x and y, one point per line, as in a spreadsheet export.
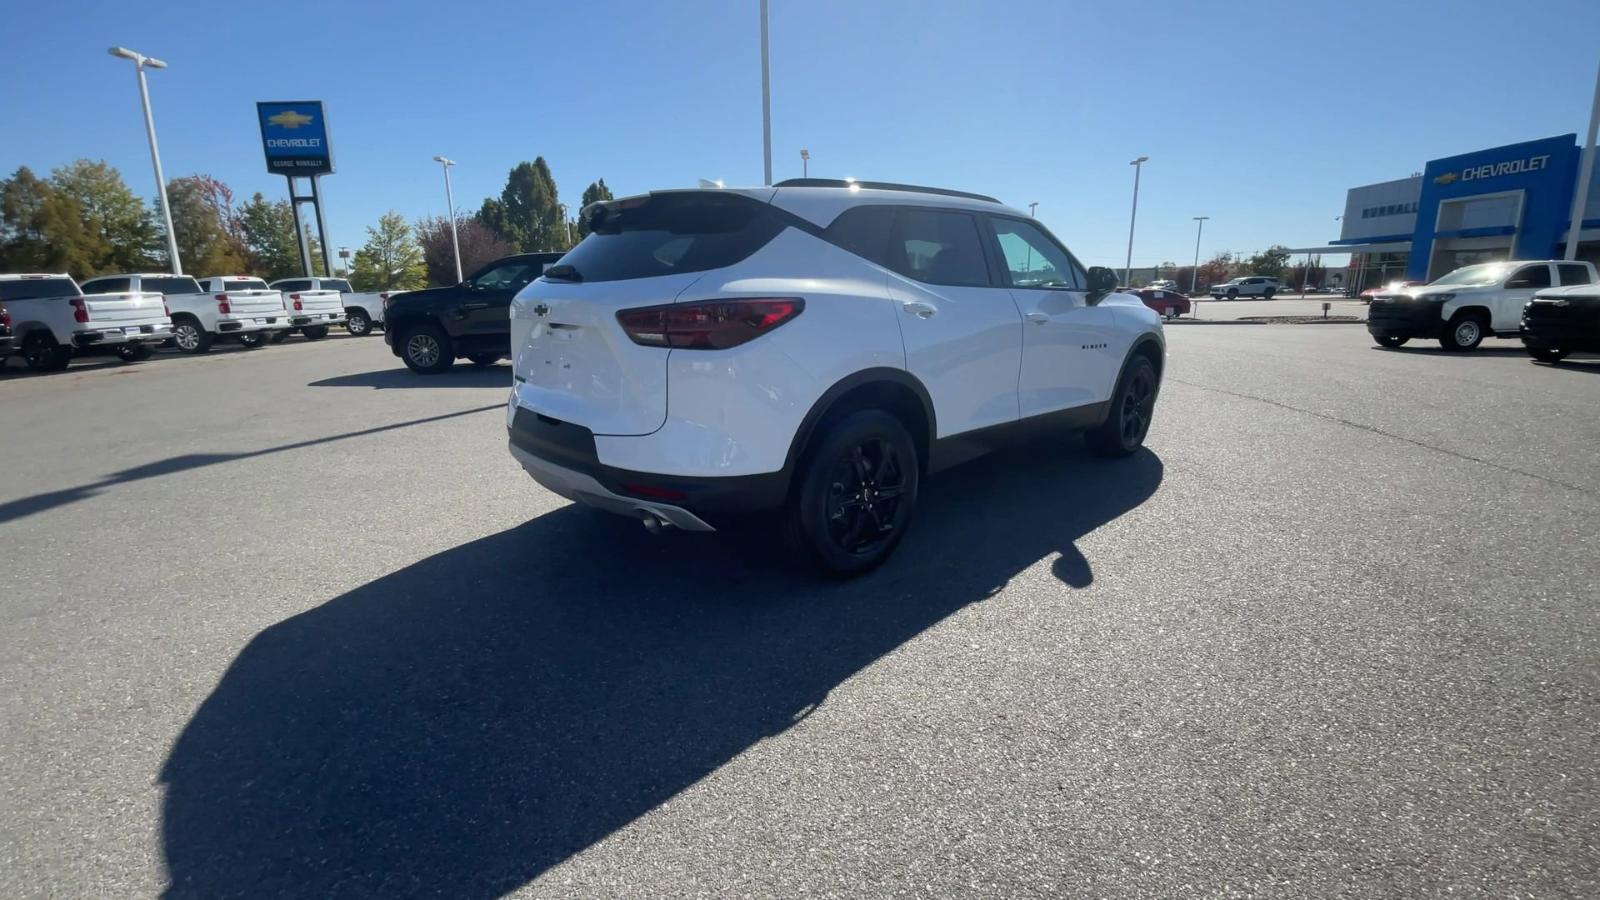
1102	280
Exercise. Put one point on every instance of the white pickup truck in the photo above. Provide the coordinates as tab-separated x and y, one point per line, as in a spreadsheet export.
200	316
1462	308
363	311
51	317
311	308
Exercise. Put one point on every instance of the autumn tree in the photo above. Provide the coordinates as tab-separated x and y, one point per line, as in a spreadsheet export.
479	245
390	260
1271	262
527	215
204	245
1215	270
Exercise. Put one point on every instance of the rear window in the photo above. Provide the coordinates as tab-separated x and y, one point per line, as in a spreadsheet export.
36	288
337	284
938	247
1573	273
170	285
244	284
665	234
107	286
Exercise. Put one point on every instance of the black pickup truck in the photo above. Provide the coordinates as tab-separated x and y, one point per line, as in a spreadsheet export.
430	329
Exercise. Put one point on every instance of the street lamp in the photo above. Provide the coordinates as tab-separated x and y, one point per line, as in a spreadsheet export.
1033	209
450	204
805	163
565	222
140	63
1127	266
1194	274
766	102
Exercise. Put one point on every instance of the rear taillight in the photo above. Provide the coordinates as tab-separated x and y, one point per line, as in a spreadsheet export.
710	325
165	309
5	317
296	299
80	309
222	304
385	298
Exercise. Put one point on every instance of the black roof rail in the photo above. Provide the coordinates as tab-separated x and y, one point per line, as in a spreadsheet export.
880	186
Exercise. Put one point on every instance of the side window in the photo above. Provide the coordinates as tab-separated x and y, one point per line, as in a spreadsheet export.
1531	277
1032	259
107	286
938	247
1572	273
863	231
508	277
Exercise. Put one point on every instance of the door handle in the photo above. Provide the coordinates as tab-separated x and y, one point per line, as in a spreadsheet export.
1037	318
919	309
474	306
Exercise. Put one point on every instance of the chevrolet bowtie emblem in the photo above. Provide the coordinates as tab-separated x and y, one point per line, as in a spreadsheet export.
541	310
290	119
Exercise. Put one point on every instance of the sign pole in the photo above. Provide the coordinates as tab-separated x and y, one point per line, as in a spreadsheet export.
322	227
299	230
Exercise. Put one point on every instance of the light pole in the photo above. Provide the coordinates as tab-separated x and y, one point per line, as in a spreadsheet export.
565	223
1585	168
450	204
805	163
1033	210
344	260
1194	274
766	102
1127	266
140	62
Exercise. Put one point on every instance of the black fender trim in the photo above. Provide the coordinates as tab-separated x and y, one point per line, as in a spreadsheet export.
832	395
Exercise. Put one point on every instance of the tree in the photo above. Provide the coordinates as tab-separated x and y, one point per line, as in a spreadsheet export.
1272	262
204	244
594	193
391	259
127	234
479	245
528	213
266	229
41	230
1215	270
1312	273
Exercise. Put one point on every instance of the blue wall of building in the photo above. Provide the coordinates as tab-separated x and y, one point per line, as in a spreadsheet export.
1544	170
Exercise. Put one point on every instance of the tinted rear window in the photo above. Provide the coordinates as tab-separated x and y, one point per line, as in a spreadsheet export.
1572	273
170	285
665	234
337	284
938	247
33	288
864	231
244	284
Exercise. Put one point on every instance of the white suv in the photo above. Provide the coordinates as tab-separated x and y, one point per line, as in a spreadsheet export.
1247	286
818	347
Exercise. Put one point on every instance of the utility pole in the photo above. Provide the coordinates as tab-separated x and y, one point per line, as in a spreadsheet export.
1127	265
766	103
1585	170
140	63
1194	274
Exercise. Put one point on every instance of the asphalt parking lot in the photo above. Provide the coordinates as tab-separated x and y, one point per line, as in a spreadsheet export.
292	622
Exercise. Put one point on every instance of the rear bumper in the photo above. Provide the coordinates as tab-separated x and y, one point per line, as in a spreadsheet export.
300	320
247	325
104	337
562	457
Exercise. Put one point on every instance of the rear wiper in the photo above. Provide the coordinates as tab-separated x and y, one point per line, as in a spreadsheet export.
563	273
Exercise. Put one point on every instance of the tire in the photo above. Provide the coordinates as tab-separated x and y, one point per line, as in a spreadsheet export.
1132	407
857	492
1233	293
255	340
426	350
134	352
315	332
484	360
357	323
1465	332
1391	342
279	337
42	354
1547	354
190	337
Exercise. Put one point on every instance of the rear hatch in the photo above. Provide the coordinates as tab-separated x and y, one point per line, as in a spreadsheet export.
135	311
315	302
250	298
572	359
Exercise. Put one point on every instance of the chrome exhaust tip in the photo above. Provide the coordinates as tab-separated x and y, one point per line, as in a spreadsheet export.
652	522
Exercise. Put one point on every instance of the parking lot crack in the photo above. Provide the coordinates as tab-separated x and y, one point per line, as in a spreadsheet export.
1399	437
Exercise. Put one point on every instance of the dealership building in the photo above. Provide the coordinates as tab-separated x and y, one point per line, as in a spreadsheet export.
1509	202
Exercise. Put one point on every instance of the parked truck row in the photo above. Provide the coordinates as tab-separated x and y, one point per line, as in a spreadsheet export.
47	318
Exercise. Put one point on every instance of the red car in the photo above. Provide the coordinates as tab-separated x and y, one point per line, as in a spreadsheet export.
1168	303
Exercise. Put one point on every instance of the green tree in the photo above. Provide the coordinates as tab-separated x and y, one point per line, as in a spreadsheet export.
42	230
391	259
204	245
594	193
528	214
1272	262
127	231
267	229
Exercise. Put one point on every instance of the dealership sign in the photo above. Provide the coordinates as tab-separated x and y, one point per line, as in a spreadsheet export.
1495	170
294	136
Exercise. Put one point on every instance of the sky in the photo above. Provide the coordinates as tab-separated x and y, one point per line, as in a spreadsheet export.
1259	115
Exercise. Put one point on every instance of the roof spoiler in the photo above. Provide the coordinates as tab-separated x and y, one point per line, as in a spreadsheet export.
880	186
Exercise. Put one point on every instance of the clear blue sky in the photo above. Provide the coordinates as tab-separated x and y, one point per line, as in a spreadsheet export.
1028	100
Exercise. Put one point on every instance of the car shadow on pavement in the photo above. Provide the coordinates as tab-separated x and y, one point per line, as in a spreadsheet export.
462	725
1436	350
37	503
460	376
